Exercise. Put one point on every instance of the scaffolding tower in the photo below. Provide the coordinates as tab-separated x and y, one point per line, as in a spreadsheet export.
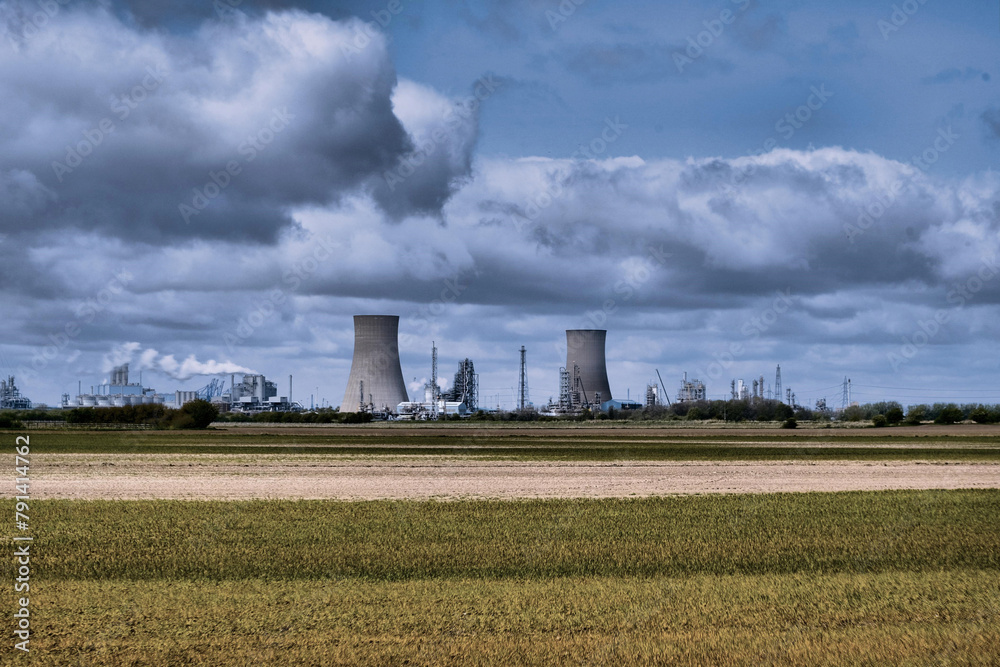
522	383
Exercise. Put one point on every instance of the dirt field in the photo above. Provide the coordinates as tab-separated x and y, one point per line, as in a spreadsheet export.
247	476
501	430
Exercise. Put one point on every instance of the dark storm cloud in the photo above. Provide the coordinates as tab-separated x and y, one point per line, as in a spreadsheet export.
639	63
214	134
955	74
190	13
760	33
991	118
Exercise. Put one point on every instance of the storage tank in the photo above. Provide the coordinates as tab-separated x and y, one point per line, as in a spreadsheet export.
586	365
376	364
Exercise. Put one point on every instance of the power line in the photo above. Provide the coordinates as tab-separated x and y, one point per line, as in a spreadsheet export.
922	389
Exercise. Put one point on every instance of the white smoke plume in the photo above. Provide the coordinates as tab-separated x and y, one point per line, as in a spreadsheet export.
140	359
417	386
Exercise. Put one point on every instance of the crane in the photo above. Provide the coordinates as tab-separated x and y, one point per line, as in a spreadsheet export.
665	394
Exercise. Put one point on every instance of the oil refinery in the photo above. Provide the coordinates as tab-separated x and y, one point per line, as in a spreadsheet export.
376	385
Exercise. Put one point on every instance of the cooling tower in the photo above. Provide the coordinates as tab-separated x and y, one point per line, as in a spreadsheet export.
585	364
376	364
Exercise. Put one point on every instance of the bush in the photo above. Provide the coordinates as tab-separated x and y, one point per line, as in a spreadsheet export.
894	415
950	414
916	415
357	417
7	421
790	423
853	413
880	421
196	414
983	415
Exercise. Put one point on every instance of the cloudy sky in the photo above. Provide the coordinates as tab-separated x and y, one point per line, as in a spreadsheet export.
724	185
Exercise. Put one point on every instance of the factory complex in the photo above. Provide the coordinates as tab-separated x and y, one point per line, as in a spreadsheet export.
376	386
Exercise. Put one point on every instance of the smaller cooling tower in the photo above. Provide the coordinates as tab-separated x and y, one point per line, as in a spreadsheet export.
586	365
376	364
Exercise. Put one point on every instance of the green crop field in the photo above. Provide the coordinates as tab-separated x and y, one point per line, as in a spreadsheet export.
801	579
539	445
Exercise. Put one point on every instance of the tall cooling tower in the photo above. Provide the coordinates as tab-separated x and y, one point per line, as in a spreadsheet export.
376	364
585	358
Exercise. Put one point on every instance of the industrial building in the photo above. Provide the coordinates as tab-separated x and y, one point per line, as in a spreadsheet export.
118	392
583	381
465	389
376	380
10	396
586	368
253	394
426	409
691	390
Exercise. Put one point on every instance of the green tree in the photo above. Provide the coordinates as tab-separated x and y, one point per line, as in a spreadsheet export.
916	414
878	421
950	414
894	415
853	413
196	414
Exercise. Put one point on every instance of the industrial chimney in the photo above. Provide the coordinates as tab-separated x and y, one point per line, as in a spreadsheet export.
586	366
376	364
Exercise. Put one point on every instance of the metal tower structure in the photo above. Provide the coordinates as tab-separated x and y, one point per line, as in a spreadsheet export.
434	380
845	399
522	383
777	383
565	395
466	386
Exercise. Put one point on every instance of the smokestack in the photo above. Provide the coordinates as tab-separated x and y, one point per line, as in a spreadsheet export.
376	363
585	350
289	389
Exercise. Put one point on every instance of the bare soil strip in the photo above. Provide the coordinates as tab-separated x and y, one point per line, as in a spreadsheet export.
245	477
488	430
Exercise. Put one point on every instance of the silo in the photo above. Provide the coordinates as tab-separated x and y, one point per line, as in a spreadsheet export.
376	364
586	365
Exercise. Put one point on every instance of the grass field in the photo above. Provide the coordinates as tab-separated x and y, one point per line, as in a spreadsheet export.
538	445
859	578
